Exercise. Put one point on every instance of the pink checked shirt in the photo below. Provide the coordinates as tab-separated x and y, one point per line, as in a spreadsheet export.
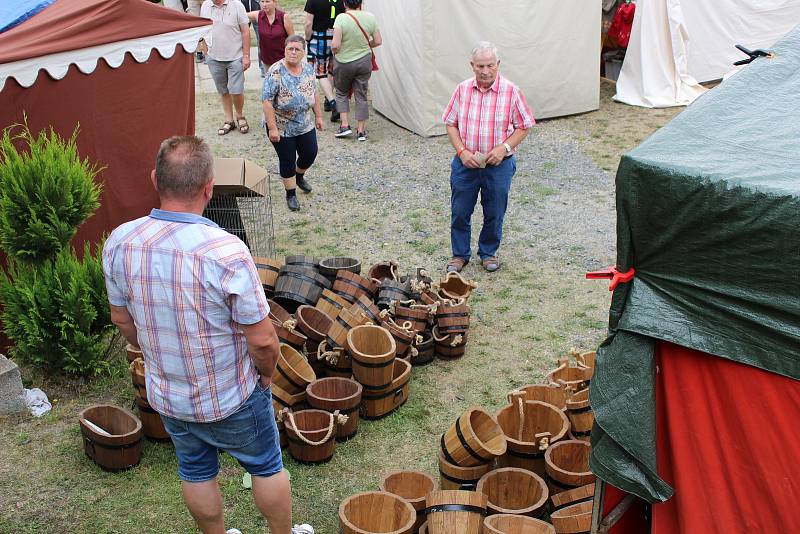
486	119
188	286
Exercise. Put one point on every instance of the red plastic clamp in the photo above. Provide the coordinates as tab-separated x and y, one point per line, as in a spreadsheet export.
614	275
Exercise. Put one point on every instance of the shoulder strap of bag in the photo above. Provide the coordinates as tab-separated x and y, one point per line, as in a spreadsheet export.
359	27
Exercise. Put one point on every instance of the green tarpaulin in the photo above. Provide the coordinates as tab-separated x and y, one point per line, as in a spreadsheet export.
708	213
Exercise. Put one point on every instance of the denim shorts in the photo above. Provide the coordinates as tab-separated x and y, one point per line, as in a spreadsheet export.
250	435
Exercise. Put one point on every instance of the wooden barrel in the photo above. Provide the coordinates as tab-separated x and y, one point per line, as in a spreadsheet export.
350	285
473	439
580	415
278	312
449	347
119	447
425	349
375	512
298	285
335	393
528	436
311	435
306	262
451	511
418	317
314	324
330	303
330	266
377	404
136	369
133	352
573	496
412	487
383	270
549	393
289	336
152	425
567	465
454	286
452	476
515	524
512	490
392	290
423	529
403	338
293	372
372	353
567	376
367	307
345	320
282	399
573	519
268	273
452	317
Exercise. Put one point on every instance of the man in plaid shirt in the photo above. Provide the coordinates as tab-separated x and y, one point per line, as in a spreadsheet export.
486	119
187	293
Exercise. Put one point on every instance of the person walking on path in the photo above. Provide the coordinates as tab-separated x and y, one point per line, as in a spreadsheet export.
486	118
272	27
318	28
291	111
188	294
228	56
355	34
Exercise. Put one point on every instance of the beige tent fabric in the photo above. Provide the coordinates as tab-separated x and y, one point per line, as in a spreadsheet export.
551	50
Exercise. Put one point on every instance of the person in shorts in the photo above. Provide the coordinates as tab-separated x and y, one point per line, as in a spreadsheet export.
318	27
188	294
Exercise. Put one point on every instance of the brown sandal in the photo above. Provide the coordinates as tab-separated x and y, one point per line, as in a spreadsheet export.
226	127
456	264
243	128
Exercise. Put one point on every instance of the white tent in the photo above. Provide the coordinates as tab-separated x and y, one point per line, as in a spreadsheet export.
551	50
676	44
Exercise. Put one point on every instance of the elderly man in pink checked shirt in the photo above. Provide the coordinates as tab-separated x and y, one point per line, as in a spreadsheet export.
187	293
486	119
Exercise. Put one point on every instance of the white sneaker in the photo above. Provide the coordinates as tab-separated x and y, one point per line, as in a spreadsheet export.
305	528
233	531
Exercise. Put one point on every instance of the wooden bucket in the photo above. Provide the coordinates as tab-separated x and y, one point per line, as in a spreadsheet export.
311	435
330	266
268	273
586	359
449	347
573	519
573	496
367	307
549	393
383	270
306	262
580	415
293	372
375	512
152	425
350	286
452	317
298	285
337	394
452	476
345	320
330	303
288	335
392	290
567	465
282	399
278	313
377	404
455	286
418	317
122	447
515	524
136	369
475	438
372	353
133	352
403	337
455	511
314	324
425	349
567	376
412	487
512	490
529	436
423	529
429	297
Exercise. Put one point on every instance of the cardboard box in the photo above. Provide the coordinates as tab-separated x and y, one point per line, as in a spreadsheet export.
238	175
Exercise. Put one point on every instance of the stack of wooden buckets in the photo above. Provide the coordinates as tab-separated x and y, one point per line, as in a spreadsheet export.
349	341
524	470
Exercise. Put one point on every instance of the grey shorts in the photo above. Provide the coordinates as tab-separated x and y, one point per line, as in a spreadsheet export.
228	76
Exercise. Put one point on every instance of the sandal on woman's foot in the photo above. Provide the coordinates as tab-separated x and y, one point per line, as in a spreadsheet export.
243	128
226	127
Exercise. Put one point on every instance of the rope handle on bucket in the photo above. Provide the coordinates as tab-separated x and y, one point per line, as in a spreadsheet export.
457	339
330	356
579	359
289	324
335	419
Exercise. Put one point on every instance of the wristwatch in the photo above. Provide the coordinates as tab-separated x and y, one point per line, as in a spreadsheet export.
507	147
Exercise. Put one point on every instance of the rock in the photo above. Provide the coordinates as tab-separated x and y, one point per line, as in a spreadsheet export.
12	398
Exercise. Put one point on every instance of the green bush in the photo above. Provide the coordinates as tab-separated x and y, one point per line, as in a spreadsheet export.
46	192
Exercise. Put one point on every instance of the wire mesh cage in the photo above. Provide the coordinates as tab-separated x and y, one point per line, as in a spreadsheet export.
247	214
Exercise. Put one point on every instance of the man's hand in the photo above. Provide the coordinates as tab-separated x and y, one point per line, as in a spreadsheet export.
266	381
469	160
274	135
495	157
245	62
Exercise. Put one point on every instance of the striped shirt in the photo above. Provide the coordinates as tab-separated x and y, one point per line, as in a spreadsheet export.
485	119
188	286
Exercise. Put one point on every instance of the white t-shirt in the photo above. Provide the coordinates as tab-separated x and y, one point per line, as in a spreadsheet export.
225	41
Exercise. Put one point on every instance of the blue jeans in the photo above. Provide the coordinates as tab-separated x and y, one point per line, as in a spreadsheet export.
249	434
493	184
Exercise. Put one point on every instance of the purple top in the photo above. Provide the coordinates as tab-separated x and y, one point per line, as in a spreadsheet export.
271	37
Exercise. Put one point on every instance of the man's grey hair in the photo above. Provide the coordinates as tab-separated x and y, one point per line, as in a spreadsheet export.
184	166
484	46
